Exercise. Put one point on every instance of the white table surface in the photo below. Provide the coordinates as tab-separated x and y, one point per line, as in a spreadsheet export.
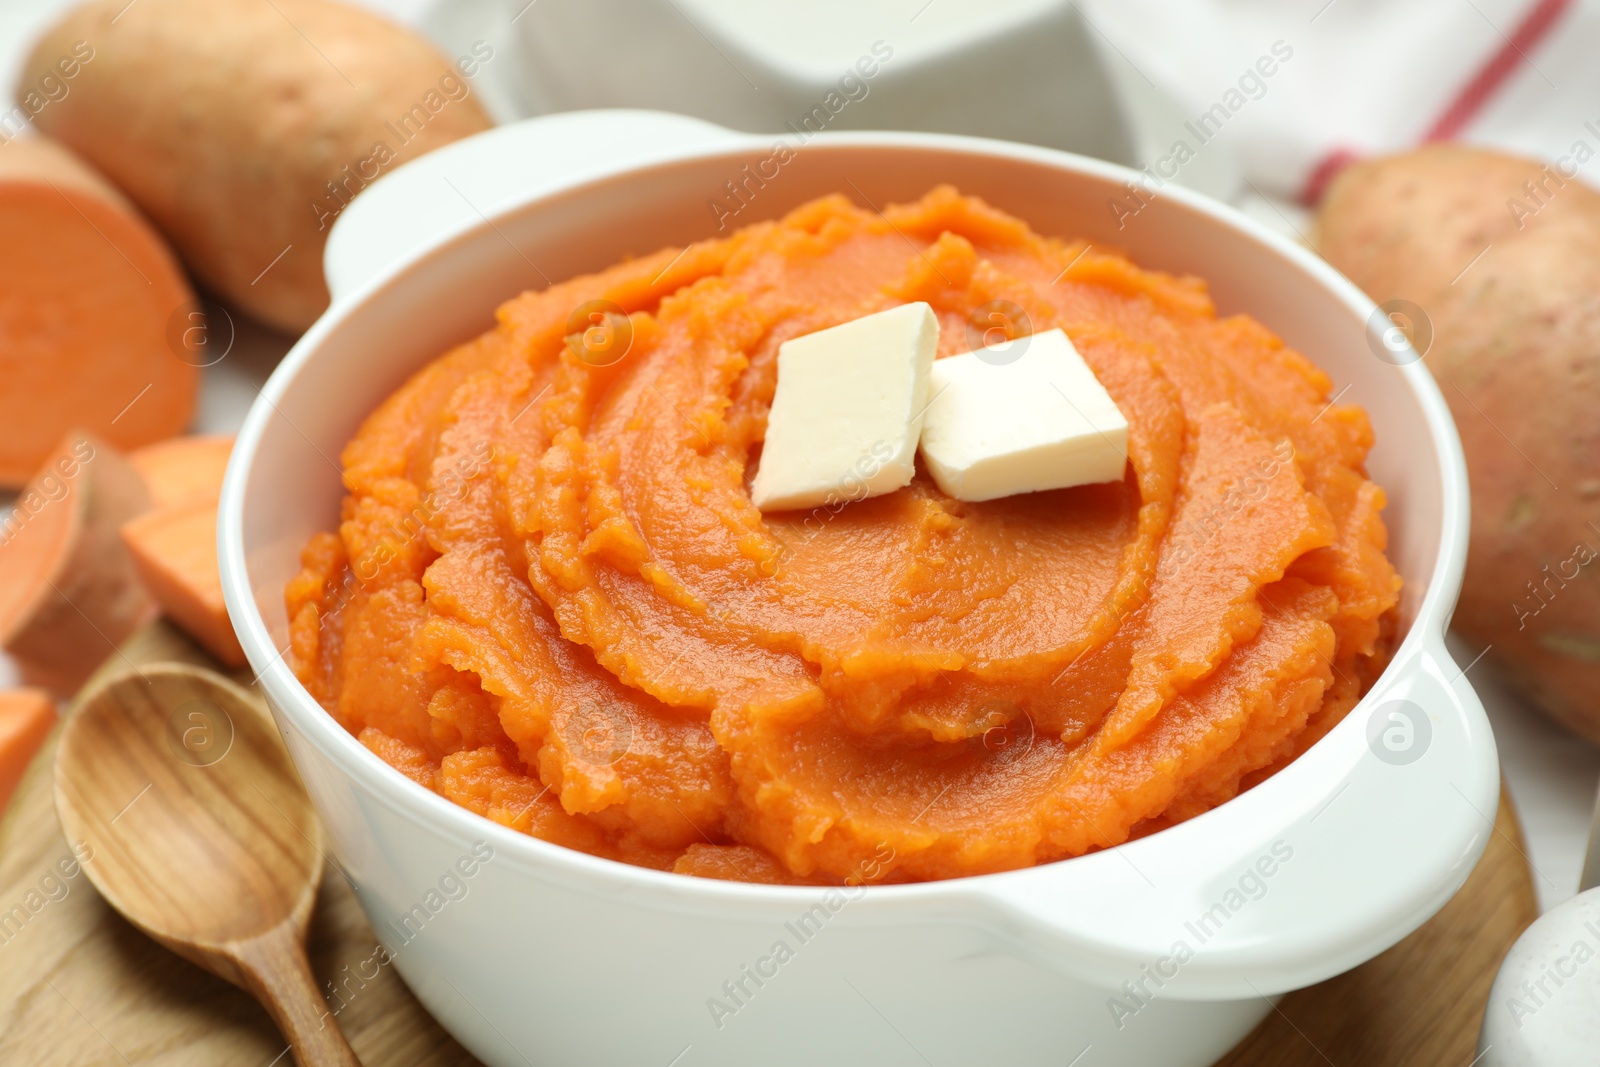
1553	775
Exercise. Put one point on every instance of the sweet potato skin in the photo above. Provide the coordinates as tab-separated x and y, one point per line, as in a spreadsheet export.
241	127
1503	255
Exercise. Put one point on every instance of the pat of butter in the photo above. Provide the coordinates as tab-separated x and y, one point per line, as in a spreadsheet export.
847	411
1000	423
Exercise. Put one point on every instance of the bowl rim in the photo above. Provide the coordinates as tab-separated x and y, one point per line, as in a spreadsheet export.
426	809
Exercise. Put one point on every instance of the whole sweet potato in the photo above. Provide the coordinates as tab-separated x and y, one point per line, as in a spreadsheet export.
242	127
1503	257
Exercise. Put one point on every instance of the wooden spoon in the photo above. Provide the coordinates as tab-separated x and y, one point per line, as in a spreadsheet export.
201	835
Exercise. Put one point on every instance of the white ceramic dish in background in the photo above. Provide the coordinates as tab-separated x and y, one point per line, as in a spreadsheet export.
1034	71
1027	70
556	957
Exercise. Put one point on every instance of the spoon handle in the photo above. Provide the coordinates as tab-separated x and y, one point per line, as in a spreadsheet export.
276	971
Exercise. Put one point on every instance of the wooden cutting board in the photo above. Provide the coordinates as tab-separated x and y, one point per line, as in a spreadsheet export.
1421	1003
79	987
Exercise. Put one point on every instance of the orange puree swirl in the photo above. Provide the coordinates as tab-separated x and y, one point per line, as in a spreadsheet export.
551	601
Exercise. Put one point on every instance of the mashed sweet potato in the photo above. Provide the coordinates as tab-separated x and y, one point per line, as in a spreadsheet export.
550	599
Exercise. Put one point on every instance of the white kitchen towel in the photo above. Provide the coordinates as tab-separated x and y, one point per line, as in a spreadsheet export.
1355	78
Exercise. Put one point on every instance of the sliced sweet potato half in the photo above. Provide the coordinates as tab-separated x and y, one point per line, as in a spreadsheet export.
97	321
26	718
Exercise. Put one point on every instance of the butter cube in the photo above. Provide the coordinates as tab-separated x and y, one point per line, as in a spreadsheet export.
847	411
1000	424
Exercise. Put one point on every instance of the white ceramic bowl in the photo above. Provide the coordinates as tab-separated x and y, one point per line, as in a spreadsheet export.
555	957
